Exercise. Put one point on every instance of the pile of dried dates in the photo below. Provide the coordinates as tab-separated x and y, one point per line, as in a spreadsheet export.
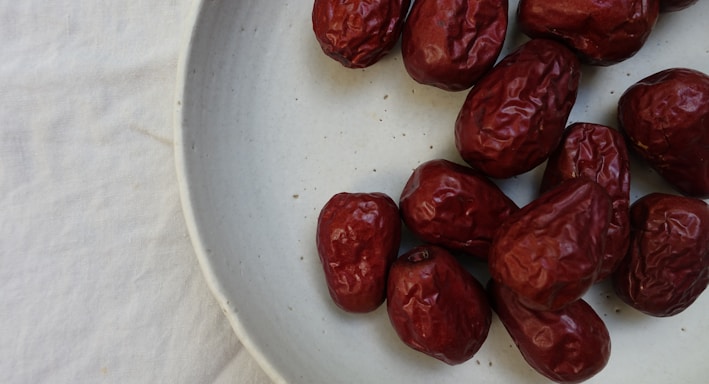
581	229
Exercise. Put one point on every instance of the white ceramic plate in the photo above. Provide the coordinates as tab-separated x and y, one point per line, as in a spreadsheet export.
269	128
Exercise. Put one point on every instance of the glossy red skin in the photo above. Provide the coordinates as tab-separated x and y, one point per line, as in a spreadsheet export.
450	44
551	250
598	153
515	116
675	5
570	345
601	32
358	33
358	236
667	267
665	117
454	206
437	307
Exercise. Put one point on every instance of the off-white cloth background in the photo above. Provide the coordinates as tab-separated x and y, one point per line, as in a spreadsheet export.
98	279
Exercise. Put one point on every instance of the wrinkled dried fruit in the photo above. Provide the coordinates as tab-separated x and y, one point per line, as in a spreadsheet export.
450	44
667	266
454	206
665	117
570	345
675	5
436	306
358	237
601	32
596	152
358	33
550	251
515	116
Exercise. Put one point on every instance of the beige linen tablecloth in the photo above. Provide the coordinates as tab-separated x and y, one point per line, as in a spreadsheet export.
98	279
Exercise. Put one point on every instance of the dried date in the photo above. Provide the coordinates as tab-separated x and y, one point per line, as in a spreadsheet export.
601	32
667	267
358	236
550	251
450	44
665	117
675	5
358	33
437	307
570	345
454	206
597	152
516	114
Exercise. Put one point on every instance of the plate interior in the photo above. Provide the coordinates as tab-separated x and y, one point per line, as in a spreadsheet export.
269	128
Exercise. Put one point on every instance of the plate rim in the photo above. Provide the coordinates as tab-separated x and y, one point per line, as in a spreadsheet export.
187	46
